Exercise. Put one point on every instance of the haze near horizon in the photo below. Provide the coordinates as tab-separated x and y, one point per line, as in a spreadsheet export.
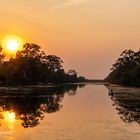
88	35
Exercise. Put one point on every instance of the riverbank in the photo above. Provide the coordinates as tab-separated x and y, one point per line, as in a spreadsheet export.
122	89
32	90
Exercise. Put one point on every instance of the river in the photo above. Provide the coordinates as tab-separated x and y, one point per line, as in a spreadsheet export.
73	112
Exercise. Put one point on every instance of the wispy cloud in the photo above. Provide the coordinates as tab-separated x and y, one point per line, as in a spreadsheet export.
69	3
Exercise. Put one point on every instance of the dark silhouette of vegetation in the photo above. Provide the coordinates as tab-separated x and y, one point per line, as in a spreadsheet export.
32	66
126	70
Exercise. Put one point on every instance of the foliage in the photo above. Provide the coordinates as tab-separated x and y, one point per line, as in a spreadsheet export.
33	66
126	70
2	56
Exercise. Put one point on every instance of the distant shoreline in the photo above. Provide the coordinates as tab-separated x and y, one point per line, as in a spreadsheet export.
95	80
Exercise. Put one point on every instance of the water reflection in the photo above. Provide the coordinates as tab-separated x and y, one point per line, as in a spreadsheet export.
128	105
30	106
8	116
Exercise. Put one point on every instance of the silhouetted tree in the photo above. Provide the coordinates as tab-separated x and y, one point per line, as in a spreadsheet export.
33	66
2	56
126	70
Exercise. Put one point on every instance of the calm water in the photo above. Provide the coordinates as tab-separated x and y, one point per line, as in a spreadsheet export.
69	113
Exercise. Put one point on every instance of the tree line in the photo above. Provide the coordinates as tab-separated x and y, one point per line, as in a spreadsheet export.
32	66
126	69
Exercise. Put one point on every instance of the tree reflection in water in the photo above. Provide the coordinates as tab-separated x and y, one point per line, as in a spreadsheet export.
128	106
31	108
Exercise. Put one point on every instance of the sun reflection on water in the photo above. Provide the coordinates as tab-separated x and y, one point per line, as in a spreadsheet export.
9	116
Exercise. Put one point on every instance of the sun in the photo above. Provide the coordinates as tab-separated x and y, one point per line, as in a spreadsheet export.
12	44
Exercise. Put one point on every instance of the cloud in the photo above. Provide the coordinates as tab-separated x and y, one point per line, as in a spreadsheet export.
70	3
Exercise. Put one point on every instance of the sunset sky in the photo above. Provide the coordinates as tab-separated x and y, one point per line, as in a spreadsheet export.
87	34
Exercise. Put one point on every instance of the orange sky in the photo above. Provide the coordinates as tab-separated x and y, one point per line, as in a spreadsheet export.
87	34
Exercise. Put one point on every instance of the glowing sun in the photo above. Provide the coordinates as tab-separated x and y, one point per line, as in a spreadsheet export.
11	44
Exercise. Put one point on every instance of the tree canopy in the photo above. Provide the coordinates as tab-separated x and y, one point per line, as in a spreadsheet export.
33	66
126	69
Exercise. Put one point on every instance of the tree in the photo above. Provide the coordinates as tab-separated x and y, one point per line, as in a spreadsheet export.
72	72
33	66
126	69
54	63
30	50
2	56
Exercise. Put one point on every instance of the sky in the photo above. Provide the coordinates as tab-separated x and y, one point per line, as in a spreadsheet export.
88	35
